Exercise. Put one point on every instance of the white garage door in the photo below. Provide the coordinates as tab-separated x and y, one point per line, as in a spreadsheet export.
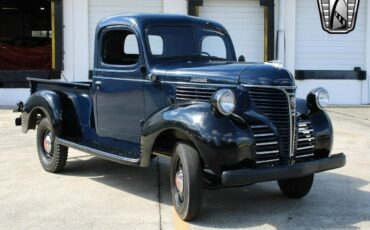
99	9
244	19
319	50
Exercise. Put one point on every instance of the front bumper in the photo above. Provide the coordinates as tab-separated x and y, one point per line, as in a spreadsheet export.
249	176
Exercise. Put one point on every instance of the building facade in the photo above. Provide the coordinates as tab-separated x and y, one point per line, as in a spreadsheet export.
262	30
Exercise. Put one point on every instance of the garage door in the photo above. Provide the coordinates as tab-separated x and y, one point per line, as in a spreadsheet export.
244	19
318	50
99	9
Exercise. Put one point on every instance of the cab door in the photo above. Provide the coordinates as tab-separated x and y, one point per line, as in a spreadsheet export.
118	85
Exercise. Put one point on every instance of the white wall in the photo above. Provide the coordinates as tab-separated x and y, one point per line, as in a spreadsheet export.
175	6
290	30
307	46
75	37
10	97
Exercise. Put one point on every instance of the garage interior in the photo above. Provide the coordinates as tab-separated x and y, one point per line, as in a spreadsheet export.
26	41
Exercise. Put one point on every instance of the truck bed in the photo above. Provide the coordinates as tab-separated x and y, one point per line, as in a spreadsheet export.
41	84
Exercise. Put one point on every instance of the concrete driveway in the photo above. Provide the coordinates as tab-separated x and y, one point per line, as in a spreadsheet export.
96	194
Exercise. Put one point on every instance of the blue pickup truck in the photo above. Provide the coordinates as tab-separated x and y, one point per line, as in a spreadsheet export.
171	86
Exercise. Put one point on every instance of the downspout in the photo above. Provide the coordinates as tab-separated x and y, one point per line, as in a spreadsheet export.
280	52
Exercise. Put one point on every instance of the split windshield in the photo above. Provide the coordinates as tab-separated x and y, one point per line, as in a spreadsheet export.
188	42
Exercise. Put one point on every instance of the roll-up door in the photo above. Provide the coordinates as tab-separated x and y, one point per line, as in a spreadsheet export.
99	9
244	19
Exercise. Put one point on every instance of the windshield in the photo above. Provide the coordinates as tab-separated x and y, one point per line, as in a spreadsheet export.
188	42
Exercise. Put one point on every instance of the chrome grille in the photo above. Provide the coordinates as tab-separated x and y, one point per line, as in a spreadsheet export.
267	149
305	140
274	103
185	93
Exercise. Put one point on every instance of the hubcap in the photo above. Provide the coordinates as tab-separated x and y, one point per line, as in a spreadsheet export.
47	142
179	180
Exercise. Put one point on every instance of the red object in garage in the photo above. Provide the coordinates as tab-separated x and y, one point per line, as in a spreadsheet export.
24	58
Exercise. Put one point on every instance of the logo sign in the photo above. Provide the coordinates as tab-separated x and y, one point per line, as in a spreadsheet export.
338	16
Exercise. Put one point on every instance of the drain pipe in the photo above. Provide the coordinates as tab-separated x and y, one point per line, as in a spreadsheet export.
280	53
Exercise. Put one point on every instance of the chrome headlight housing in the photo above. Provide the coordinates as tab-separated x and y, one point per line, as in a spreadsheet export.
318	97
224	101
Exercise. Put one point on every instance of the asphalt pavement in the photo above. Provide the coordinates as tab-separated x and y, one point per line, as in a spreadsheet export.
97	194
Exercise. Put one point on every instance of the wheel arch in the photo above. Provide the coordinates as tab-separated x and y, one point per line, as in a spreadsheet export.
52	105
163	143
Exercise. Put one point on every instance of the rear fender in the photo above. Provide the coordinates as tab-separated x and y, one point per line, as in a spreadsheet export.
45	102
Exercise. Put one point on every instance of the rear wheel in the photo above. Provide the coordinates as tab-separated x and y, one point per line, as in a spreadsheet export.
53	157
186	181
296	187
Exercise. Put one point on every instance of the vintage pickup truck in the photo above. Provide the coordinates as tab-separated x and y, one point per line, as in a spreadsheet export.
171	86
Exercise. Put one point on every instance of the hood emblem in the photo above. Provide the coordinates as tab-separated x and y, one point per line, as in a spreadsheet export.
199	79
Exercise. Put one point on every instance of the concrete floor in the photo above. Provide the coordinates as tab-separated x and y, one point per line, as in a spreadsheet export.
96	194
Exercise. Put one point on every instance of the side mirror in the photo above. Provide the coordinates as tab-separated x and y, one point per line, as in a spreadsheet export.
241	58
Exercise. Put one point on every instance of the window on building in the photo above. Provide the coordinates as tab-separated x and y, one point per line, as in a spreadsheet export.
120	47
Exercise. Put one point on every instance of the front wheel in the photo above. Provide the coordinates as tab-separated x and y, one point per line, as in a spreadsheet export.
186	181
297	187
52	156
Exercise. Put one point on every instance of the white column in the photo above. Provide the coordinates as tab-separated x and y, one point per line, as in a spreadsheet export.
81	40
290	34
366	84
175	6
75	34
68	44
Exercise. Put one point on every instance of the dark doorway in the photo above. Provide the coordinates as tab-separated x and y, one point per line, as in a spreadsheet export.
25	35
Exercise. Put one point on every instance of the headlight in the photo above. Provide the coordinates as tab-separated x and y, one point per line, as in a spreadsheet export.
320	97
224	101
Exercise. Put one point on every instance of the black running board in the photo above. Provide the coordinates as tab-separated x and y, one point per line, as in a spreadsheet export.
98	153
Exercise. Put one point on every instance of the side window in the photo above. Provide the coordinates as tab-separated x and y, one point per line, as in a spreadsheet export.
120	47
214	46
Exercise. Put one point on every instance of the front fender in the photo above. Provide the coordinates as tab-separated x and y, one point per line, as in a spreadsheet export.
49	103
221	142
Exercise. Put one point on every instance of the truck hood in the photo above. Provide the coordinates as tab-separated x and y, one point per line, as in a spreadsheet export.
230	73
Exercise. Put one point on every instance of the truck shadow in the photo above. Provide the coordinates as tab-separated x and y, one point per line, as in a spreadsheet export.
335	201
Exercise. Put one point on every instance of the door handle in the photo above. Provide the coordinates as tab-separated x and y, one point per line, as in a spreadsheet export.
98	84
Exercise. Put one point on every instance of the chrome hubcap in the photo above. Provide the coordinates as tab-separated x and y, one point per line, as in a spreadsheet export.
179	180
47	142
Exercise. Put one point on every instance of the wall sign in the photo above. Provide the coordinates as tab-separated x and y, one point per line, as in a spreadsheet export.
338	16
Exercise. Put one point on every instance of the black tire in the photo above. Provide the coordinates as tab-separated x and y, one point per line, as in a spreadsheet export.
297	187
188	202
55	159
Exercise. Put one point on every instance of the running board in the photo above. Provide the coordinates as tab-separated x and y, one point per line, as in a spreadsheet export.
98	153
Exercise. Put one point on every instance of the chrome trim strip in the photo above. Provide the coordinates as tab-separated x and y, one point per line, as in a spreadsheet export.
291	112
306	139
267	152
267	161
307	155
264	135
267	143
198	84
307	147
273	87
